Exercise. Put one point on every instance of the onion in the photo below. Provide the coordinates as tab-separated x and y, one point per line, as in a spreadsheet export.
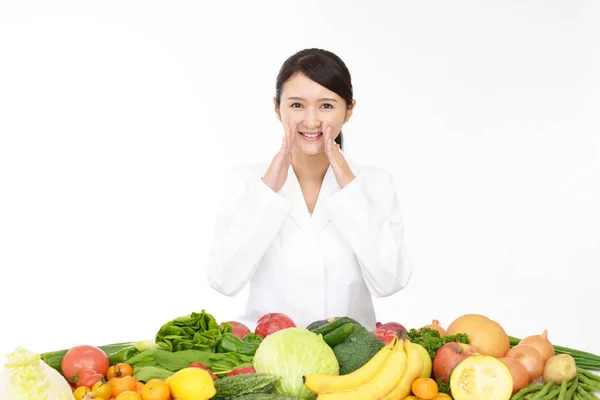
541	344
435	325
519	373
530	358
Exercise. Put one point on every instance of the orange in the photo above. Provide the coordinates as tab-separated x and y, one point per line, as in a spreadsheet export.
425	388
410	398
442	396
139	387
156	389
129	395
124	384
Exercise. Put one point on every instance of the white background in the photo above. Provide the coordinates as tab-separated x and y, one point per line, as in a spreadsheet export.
119	119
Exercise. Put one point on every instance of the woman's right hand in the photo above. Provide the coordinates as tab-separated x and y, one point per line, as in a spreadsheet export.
277	172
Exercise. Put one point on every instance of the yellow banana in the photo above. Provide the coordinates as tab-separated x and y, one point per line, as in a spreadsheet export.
321	383
414	368
384	381
427	364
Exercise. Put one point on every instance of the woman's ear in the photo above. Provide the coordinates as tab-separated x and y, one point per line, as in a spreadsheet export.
277	112
349	111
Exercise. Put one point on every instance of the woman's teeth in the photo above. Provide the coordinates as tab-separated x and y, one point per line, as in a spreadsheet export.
311	135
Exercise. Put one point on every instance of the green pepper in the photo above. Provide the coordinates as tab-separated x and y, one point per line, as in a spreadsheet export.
122	355
232	344
253	338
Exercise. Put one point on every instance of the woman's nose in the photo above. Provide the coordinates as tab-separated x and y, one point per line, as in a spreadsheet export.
311	119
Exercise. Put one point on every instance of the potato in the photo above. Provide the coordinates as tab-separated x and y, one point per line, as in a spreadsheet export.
559	367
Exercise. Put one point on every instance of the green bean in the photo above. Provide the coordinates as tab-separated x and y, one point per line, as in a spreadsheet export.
587	374
544	391
585	395
572	388
563	390
526	390
589	382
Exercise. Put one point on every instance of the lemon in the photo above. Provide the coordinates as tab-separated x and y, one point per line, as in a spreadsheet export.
191	384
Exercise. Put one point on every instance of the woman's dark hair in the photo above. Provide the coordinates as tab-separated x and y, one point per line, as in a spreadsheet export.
323	67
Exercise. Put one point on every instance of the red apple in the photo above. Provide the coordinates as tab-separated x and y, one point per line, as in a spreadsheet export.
273	322
240	330
448	356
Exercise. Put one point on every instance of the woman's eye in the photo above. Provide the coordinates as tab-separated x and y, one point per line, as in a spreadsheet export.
327	105
295	105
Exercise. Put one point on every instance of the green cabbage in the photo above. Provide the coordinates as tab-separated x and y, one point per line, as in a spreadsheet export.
291	353
26	377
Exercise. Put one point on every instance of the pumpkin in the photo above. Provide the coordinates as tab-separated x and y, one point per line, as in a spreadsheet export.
480	377
486	335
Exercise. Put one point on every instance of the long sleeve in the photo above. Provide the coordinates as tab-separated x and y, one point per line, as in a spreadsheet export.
367	214
250	217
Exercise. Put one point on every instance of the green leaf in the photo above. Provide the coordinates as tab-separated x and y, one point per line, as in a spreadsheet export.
197	331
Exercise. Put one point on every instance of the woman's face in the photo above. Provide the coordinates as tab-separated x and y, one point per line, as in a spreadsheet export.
310	105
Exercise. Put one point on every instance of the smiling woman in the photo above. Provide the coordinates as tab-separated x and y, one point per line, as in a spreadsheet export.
315	235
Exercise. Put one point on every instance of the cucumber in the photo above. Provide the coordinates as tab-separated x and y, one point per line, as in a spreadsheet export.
331	326
339	335
321	322
244	384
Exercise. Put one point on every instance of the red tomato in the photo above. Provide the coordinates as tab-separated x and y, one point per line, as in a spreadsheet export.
273	322
87	378
243	370
84	357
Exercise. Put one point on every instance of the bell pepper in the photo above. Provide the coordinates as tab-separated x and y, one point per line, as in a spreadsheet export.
232	344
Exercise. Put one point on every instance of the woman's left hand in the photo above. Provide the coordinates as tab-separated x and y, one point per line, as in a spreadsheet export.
341	169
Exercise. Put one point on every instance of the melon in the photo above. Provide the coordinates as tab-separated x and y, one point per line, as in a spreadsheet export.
480	377
486	335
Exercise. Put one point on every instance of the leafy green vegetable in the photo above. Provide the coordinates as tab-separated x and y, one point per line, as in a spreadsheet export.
358	348
219	363
253	338
431	340
197	331
26	376
443	386
145	374
292	353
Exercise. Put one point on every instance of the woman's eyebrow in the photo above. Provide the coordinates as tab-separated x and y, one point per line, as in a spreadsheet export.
321	99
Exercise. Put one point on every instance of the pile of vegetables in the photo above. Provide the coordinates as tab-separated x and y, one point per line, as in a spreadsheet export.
193	357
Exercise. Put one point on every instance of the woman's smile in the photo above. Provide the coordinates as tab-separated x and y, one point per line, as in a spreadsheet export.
311	136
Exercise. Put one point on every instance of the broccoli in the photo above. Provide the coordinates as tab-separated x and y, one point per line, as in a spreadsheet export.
357	349
431	340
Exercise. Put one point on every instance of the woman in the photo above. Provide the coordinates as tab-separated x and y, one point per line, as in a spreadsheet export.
315	235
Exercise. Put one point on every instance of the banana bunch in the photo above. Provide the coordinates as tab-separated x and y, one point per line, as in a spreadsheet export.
388	375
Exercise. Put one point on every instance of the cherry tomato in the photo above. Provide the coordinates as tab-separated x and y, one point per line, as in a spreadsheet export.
84	357
87	378
102	390
80	392
122	370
